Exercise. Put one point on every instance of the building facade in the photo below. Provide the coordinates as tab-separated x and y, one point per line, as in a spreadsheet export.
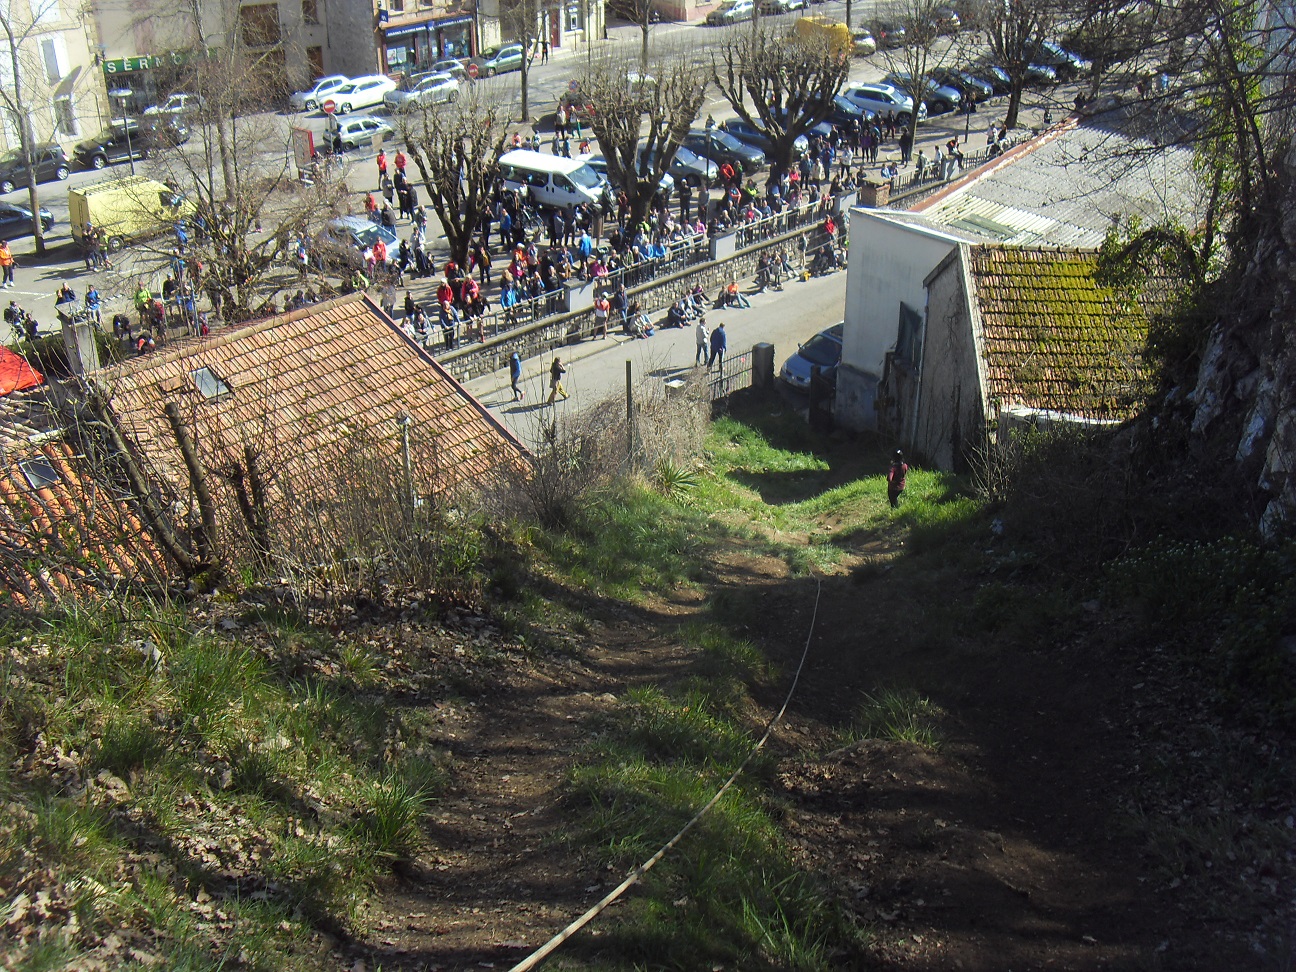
47	74
144	48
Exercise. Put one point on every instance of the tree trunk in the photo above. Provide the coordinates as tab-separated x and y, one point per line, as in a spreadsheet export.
643	48
1014	104
206	539
526	77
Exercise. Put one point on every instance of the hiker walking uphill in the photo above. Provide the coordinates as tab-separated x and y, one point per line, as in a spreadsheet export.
896	478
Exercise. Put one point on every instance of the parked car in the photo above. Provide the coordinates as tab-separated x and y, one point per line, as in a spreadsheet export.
731	12
434	89
759	138
823	351
689	167
354	132
364	92
346	237
176	105
881	98
1066	64
968	85
995	76
1041	75
497	60
888	34
122	140
824	129
16	221
946	20
48	160
720	148
666	185
163	131
863	42
939	98
453	67
774	7
317	93
844	112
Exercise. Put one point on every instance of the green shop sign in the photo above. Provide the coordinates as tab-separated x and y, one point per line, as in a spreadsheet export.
146	62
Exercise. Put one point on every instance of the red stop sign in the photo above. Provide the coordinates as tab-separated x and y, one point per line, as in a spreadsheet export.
472	71
329	106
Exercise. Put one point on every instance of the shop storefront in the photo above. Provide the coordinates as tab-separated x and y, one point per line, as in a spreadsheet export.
416	47
149	78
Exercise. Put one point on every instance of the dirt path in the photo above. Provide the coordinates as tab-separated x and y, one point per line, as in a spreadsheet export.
997	850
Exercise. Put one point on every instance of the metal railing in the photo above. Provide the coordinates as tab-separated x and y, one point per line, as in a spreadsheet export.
794	217
734	374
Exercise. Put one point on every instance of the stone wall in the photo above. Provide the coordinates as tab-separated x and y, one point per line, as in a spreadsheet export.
551	333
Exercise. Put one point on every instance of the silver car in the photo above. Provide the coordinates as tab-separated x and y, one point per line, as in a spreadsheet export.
317	93
355	132
435	89
881	98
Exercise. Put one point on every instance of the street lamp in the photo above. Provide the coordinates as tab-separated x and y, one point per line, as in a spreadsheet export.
123	94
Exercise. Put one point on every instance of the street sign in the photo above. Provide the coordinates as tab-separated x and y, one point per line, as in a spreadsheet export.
472	70
329	106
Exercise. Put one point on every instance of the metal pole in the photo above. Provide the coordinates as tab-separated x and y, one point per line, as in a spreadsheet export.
630	429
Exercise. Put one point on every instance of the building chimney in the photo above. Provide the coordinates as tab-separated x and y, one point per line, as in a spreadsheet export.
79	342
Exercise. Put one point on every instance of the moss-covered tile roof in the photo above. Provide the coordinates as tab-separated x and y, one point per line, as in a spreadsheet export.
1055	339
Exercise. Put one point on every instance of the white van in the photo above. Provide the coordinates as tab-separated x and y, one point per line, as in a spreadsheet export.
550	179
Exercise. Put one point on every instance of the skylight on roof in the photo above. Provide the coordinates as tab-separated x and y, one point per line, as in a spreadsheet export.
209	384
39	473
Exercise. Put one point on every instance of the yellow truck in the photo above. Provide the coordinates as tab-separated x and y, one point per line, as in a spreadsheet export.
821	30
127	210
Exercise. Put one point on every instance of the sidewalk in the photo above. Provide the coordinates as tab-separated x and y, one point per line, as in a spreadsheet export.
597	366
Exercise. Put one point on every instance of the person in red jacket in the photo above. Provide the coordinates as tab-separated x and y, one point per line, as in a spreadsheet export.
896	478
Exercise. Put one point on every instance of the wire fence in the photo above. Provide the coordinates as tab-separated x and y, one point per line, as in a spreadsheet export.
733	374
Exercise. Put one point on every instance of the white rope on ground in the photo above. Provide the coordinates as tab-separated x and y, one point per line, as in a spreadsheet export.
547	949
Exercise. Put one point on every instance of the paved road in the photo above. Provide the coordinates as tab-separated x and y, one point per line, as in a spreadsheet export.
37	281
596	368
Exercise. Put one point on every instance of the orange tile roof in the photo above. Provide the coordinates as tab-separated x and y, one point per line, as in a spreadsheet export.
304	387
71	534
1053	338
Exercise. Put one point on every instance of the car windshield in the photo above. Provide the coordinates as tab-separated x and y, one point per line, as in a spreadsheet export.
729	142
585	177
368	235
12	157
822	351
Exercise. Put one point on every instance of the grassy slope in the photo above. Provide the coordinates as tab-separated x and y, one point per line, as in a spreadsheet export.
217	794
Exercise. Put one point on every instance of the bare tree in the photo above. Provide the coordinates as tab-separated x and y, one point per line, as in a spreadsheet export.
790	81
456	149
19	93
236	176
926	48
640	122
525	21
1013	31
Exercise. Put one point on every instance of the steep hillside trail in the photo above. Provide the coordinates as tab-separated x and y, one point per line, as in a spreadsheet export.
997	849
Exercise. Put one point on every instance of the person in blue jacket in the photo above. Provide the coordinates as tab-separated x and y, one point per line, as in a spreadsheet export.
719	344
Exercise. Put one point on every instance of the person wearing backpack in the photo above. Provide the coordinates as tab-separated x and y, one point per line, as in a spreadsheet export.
896	478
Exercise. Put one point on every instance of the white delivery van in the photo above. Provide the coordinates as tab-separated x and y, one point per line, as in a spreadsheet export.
550	179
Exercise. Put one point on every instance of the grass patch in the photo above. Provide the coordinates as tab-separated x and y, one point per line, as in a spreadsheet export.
212	756
728	894
901	715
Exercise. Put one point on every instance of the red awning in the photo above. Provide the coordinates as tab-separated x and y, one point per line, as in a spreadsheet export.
16	374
